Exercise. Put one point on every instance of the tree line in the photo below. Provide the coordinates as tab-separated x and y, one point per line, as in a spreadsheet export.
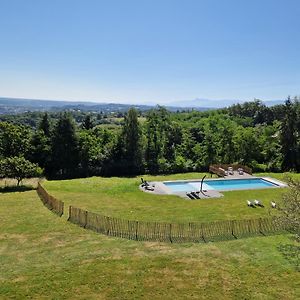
264	138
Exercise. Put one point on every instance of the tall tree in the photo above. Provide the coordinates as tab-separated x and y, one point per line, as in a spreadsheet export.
131	136
14	140
40	150
152	146
87	122
289	137
45	125
65	156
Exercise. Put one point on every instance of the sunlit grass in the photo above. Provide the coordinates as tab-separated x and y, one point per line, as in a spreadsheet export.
46	257
120	197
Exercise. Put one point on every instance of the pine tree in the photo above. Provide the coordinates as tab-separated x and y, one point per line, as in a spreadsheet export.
64	156
131	136
45	125
87	122
152	147
288	137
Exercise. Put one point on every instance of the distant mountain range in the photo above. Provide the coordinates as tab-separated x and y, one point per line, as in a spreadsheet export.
18	105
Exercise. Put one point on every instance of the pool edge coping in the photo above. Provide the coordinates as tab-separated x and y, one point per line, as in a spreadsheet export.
164	189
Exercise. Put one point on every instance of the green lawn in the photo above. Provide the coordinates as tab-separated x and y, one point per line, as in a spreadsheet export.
120	197
45	257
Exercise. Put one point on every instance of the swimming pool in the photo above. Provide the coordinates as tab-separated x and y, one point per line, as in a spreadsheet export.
220	185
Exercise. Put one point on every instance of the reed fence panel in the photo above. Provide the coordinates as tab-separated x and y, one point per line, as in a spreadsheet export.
49	201
172	232
164	232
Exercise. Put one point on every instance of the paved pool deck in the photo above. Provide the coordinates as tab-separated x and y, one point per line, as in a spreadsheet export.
159	188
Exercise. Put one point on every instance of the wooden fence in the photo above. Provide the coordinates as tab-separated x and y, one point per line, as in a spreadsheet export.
174	233
163	232
50	202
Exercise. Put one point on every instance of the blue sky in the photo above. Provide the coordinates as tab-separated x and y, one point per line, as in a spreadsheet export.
149	51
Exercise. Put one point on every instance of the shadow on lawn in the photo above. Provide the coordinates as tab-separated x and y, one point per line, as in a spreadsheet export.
13	189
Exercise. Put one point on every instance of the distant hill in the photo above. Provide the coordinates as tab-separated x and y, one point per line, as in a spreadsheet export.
39	103
17	105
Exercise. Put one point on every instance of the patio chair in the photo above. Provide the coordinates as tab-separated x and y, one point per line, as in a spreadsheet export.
230	171
241	171
144	182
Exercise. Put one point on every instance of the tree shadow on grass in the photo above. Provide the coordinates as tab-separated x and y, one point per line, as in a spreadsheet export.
291	252
13	189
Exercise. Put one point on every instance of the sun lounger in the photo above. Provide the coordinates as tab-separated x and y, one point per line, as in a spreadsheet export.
149	188
258	203
195	195
251	204
191	196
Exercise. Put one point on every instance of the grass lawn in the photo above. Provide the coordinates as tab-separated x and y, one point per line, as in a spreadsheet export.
45	257
120	197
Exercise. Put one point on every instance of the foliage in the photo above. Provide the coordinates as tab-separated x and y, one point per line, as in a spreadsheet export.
131	138
64	152
78	143
290	207
18	168
14	140
87	122
45	125
290	137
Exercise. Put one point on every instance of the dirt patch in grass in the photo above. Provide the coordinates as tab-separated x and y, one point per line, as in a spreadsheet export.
20	238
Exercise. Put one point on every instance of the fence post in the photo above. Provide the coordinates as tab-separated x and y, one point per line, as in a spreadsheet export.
85	221
170	232
259	226
70	209
62	208
232	226
202	233
136	230
108	225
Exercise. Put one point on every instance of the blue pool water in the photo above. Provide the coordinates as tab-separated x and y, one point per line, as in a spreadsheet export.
219	185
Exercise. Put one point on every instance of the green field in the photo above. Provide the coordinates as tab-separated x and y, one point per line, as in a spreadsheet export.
45	257
120	197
